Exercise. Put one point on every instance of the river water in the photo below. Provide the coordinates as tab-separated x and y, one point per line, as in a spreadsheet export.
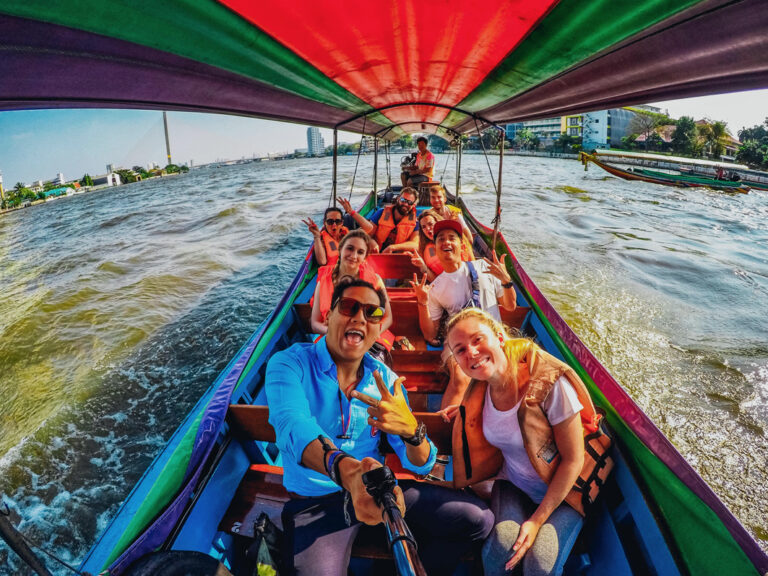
120	307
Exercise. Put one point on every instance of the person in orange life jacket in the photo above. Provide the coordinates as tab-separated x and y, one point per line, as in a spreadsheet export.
328	238
393	227
350	264
514	385
423	168
331	394
484	284
437	201
425	258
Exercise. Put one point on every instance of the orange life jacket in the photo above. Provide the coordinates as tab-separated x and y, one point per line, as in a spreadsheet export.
386	224
324	292
475	459
431	260
332	245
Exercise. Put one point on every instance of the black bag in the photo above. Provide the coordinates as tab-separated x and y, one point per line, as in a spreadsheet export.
263	556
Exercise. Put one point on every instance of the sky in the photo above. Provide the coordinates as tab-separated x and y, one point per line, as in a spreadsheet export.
38	144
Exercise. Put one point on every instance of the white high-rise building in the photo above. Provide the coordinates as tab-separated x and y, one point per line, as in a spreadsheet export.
315	142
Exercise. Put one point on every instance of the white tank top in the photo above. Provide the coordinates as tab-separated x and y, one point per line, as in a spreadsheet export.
502	429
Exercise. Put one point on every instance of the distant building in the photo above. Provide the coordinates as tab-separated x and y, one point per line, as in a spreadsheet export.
367	144
546	130
110	168
315	142
110	179
599	129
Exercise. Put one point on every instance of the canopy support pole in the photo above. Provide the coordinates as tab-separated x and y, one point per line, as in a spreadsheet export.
458	169
388	152
375	164
497	219
335	158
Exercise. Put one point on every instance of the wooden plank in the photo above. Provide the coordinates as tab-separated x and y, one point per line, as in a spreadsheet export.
251	422
416	360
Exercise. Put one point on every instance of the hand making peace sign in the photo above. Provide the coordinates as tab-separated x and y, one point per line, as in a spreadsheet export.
312	227
391	414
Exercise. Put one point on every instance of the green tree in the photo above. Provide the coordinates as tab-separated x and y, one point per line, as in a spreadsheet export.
757	133
684	137
126	176
86	180
718	138
645	124
525	139
754	154
406	142
19	186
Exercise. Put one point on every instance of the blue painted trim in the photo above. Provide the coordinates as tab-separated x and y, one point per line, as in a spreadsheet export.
201	526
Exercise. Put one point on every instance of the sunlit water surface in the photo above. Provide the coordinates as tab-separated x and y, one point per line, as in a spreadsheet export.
120	307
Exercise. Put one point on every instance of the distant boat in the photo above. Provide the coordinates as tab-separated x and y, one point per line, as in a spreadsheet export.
664	178
687	166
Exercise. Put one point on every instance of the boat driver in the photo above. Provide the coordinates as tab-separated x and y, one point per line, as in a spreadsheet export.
330	405
484	284
422	169
395	227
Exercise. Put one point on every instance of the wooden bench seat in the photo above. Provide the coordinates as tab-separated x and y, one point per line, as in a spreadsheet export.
393	266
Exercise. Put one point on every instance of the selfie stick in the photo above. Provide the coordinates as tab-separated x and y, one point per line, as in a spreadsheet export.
380	484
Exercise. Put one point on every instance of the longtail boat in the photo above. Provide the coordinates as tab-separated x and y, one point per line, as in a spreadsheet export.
684	166
656	177
382	70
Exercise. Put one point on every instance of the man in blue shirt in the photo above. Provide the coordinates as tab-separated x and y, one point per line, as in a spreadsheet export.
330	403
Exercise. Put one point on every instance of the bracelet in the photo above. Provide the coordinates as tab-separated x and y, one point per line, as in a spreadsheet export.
335	473
508	285
329	462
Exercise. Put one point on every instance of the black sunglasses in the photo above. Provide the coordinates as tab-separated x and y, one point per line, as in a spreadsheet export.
334	221
350	307
404	201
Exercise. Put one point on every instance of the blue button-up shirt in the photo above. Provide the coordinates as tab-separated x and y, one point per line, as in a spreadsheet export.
305	402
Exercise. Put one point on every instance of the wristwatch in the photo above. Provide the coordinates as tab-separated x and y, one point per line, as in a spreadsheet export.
508	284
418	436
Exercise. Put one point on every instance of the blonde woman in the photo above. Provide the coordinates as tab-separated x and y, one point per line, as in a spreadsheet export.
534	412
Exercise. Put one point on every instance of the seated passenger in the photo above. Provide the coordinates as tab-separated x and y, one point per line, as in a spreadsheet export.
331	394
328	238
423	169
529	408
425	258
483	284
350	265
393	227
437	201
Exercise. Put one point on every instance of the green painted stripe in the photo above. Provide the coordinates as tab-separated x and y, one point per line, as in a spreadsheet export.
167	485
574	31
204	31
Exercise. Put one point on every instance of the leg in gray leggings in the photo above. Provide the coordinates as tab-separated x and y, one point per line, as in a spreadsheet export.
549	551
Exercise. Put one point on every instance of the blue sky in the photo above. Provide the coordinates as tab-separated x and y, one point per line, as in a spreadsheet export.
37	144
